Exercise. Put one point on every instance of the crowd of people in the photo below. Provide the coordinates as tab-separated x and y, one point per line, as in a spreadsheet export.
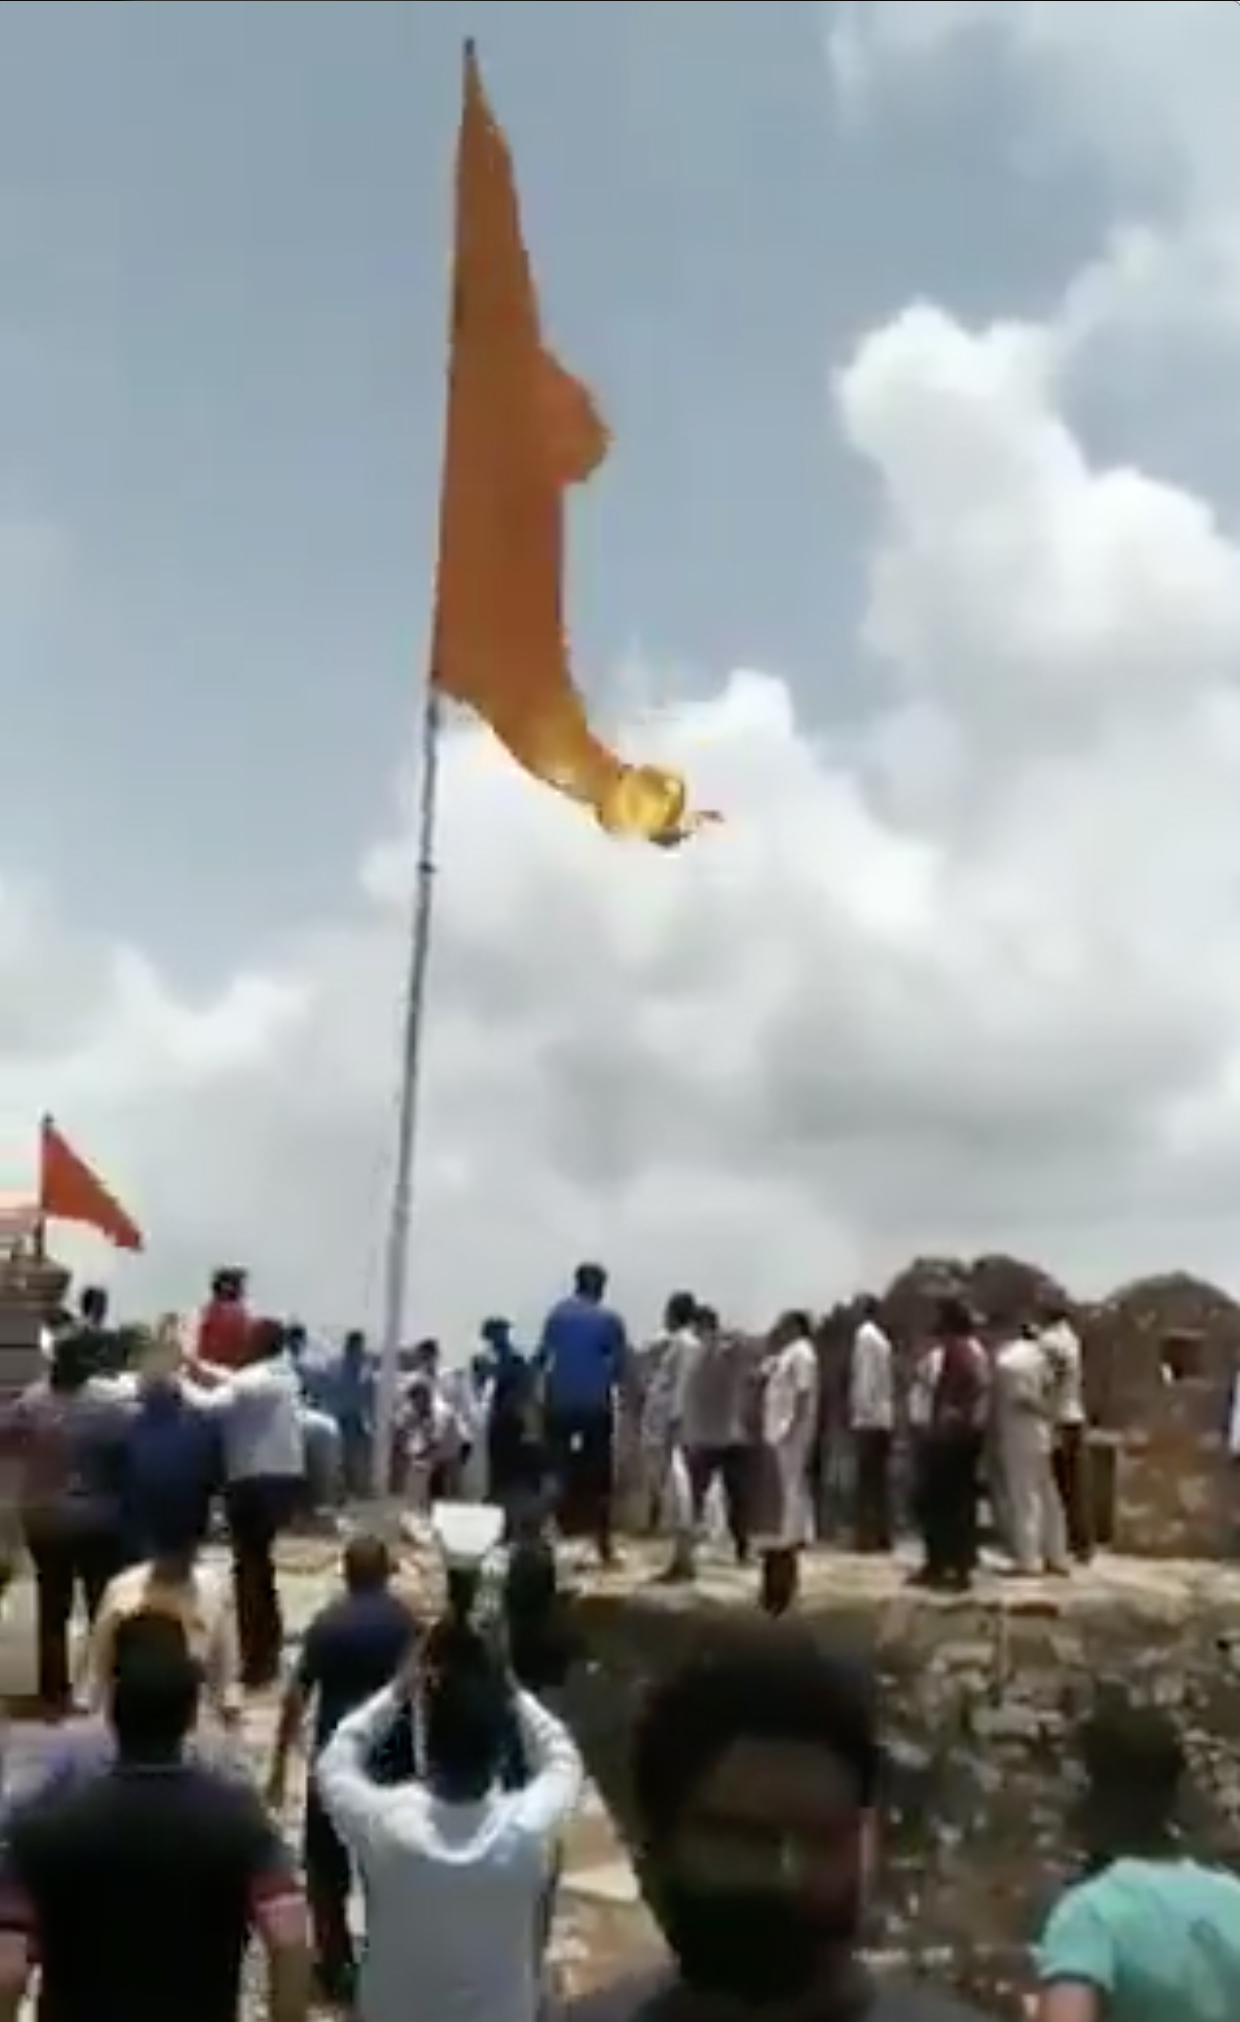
144	1848
140	1861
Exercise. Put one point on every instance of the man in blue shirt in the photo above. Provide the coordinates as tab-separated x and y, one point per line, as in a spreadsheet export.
344	1388
175	1467
352	1649
583	1355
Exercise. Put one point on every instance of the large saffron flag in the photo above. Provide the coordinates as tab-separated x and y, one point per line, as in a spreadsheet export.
71	1191
520	431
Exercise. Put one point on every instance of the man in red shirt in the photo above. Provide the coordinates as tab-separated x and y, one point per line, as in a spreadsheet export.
224	1324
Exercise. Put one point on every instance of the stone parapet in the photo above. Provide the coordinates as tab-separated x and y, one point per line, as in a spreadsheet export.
982	1695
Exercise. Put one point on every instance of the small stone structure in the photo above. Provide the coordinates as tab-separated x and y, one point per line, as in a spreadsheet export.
32	1286
982	1695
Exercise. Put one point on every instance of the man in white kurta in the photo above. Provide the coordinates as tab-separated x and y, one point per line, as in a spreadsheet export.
1024	1402
789	1429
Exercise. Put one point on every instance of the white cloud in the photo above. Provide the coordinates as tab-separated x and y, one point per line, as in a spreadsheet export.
967	976
1143	92
989	998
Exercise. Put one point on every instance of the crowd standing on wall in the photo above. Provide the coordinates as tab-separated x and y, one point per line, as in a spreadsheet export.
141	1855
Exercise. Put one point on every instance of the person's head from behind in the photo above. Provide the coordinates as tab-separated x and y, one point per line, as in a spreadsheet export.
954	1321
295	1339
680	1312
93	1306
353	1348
268	1340
496	1332
155	1688
466	1711
367	1565
869	1307
590	1283
706	1320
1134	1767
791	1326
755	1776
228	1285
425	1357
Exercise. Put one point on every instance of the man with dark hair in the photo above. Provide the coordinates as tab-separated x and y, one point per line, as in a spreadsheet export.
1151	1935
353	1647
264	1455
756	1771
224	1323
71	1449
583	1354
136	1890
455	1865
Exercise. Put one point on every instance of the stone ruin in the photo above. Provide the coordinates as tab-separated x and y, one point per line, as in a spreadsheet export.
32	1287
1161	1355
983	1692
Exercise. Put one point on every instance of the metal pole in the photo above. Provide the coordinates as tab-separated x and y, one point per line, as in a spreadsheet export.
396	1252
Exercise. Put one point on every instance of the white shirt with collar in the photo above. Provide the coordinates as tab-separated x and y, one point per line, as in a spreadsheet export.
871	1387
1062	1346
260	1405
453	1891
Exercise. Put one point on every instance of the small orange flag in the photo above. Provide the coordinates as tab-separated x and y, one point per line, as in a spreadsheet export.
69	1191
520	430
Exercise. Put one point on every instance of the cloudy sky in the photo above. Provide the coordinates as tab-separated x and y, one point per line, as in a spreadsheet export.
918	324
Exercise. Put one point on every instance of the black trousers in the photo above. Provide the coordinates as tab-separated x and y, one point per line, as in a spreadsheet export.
329	1878
872	1489
1070	1460
730	1465
950	1468
579	1447
66	1563
257	1511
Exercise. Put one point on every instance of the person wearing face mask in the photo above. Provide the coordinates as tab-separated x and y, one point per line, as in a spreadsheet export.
755	1780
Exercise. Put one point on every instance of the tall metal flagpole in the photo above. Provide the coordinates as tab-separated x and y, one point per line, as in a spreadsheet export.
396	1252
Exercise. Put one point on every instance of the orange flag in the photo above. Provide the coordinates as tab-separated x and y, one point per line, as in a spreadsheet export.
70	1192
520	430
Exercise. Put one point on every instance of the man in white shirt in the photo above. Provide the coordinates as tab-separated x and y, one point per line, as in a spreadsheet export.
264	1470
467	1393
664	1469
1070	1457
712	1395
1024	1412
456	1868
789	1432
871	1416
